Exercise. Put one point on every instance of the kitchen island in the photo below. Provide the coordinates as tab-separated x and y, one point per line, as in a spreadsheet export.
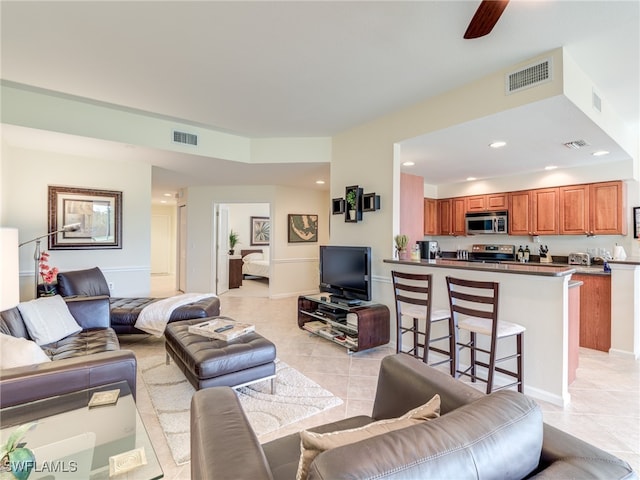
535	296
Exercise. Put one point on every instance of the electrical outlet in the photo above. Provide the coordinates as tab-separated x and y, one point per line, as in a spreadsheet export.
110	284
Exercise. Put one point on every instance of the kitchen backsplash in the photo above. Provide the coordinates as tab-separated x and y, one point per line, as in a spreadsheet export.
559	246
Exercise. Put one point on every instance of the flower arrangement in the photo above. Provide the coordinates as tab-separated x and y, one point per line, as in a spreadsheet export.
47	273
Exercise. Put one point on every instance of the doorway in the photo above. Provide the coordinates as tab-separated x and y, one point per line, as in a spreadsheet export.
238	217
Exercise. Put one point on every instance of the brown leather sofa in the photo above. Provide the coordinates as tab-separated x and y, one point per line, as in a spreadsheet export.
500	435
125	311
89	358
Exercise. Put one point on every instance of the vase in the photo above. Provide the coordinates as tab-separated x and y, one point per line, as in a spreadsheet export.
352	214
46	290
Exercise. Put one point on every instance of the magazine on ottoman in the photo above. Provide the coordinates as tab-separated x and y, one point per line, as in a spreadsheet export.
221	328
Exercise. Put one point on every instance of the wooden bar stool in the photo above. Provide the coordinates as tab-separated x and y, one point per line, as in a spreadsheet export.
413	300
474	308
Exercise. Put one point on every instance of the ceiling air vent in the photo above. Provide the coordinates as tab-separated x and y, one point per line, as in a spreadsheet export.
528	77
576	144
185	138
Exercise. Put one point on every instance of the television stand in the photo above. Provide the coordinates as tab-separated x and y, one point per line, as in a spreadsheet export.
356	328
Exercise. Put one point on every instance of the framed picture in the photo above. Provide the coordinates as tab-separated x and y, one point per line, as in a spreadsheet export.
636	222
303	228
260	230
84	218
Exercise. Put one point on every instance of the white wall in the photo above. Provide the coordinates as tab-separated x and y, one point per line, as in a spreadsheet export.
293	266
25	177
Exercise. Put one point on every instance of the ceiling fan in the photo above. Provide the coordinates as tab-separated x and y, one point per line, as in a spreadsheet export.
485	18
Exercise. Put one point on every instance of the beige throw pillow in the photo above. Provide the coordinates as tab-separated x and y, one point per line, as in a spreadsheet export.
18	352
48	319
313	444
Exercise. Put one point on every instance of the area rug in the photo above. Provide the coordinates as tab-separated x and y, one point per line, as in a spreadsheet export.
296	397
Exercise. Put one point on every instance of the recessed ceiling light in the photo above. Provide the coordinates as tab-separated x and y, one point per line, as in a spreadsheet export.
471	179
408	164
497	144
320	182
550	167
599	153
163	201
167	195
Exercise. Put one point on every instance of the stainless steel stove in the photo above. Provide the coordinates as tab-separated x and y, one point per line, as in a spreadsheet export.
492	253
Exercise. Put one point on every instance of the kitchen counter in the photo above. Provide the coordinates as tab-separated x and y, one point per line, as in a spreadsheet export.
546	270
591	270
535	296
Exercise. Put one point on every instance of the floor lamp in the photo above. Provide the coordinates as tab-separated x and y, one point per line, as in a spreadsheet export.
72	227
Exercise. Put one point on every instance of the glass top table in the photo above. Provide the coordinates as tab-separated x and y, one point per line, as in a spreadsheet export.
92	434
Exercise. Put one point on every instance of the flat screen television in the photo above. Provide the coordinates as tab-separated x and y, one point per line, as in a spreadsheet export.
345	272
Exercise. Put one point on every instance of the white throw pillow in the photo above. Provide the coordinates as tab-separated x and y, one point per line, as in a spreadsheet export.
17	352
48	319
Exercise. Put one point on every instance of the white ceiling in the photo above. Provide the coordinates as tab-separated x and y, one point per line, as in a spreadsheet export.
286	69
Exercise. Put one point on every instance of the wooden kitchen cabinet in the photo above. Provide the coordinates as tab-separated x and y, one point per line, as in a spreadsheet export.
451	216
593	209
544	211
534	212
595	311
444	216
574	210
607	208
487	203
431	225
520	213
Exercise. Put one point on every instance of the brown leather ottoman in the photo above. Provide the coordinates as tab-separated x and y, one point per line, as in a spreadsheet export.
207	362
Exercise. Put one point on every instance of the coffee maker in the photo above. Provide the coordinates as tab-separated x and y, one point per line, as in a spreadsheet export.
428	249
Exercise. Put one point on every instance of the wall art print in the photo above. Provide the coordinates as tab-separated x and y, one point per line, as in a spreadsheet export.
303	228
260	230
97	214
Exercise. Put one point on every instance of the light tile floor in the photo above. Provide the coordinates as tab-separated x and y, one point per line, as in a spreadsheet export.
605	407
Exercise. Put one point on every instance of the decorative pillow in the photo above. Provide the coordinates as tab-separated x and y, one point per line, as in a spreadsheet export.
48	319
313	444
17	352
252	256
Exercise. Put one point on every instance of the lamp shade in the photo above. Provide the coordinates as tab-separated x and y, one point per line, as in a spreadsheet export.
9	279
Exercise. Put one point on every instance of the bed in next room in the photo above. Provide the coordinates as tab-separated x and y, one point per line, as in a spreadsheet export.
254	263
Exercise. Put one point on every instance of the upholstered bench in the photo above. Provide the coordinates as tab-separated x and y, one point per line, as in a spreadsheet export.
207	362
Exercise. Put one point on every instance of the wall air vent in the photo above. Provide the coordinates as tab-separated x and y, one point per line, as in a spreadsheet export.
596	101
576	144
185	138
529	76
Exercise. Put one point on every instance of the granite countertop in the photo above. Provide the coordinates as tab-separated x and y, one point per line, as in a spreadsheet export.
546	270
592	270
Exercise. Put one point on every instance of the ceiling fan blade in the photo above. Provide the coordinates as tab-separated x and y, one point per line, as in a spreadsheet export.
485	18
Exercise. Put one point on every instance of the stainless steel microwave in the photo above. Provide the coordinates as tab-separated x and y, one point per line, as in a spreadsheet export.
487	222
